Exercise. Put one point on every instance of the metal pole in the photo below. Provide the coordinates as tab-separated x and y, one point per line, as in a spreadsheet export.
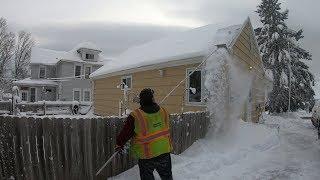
105	164
289	103
289	80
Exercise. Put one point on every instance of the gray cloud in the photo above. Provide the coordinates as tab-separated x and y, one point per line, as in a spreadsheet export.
112	38
49	21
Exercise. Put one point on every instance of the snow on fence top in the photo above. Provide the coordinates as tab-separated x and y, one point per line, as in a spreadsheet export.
51	57
193	43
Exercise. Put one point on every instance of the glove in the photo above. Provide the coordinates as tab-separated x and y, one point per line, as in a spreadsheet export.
119	149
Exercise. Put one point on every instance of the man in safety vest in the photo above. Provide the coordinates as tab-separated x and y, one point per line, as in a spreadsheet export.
149	130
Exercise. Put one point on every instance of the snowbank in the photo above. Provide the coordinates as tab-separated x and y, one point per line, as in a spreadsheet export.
256	151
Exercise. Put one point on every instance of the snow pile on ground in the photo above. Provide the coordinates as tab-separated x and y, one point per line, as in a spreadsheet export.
282	148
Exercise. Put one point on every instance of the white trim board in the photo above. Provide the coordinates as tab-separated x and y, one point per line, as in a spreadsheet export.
180	62
126	77
187	103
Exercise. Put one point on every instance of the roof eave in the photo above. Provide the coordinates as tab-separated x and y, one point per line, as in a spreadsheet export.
171	63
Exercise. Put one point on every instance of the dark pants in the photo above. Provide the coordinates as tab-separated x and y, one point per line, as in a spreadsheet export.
162	164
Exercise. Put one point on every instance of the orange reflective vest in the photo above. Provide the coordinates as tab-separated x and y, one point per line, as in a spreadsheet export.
152	134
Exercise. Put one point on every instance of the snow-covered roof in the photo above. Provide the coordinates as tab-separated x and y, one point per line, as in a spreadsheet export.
45	56
35	82
87	45
52	57
193	43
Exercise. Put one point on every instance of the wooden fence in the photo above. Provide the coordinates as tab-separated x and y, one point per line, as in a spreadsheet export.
67	149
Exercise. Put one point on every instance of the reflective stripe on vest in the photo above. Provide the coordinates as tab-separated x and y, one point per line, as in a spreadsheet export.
154	136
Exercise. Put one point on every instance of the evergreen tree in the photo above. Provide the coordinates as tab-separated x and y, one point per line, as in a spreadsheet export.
282	55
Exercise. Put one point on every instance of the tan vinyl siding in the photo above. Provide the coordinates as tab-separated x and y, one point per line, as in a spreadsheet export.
246	50
107	95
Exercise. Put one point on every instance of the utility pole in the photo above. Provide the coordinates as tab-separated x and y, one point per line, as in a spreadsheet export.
289	79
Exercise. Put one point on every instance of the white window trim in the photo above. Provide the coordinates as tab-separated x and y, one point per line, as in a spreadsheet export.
187	102
125	77
74	71
87	90
35	94
84	71
24	91
45	71
76	89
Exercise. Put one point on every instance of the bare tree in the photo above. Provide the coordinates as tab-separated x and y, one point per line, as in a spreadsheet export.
22	54
7	40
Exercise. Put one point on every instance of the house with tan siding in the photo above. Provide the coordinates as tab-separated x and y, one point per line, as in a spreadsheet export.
162	64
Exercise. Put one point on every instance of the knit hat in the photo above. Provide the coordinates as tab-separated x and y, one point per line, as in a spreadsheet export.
146	97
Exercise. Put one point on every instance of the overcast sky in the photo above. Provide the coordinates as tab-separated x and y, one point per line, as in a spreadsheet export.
115	25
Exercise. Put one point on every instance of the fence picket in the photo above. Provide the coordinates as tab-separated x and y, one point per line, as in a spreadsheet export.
43	148
66	148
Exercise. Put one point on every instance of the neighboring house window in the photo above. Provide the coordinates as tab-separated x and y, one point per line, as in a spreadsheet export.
77	71
24	95
89	56
33	95
127	80
87	95
194	87
87	72
42	72
76	94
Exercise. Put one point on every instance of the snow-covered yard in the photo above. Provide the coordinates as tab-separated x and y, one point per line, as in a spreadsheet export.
281	148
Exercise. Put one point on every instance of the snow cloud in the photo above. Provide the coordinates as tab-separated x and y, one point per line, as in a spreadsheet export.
116	25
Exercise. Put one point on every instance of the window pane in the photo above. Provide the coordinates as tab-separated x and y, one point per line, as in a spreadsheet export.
88	72
24	96
77	72
124	80
32	94
76	95
42	72
87	96
89	56
128	82
195	87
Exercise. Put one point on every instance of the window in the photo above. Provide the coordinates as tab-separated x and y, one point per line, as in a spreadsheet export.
89	56
42	72
76	94
127	80
87	95
24	95
33	95
194	87
87	72
77	72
